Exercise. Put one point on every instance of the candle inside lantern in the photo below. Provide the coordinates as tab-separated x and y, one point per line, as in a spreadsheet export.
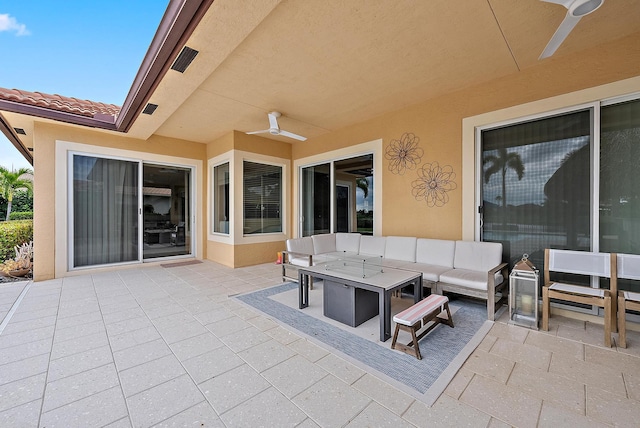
527	303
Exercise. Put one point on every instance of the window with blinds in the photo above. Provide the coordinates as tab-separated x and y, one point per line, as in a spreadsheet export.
262	196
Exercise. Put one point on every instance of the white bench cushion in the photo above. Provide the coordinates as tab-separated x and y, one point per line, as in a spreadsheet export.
415	313
400	248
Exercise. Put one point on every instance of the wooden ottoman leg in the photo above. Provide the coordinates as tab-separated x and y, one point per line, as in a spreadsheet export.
449	320
395	337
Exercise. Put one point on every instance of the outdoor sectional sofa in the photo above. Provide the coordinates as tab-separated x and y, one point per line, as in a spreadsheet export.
469	268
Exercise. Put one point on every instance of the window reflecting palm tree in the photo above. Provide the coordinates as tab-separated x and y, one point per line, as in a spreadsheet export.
500	163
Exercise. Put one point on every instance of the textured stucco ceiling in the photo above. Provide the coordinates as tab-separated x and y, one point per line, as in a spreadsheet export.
329	64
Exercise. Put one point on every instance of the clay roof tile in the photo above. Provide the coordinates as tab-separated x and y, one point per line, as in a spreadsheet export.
60	103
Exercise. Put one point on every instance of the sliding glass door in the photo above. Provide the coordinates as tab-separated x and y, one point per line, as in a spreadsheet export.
536	186
316	199
166	204
124	211
619	206
566	181
348	208
105	211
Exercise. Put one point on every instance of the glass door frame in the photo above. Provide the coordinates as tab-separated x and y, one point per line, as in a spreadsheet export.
332	195
349	219
189	214
369	148
70	209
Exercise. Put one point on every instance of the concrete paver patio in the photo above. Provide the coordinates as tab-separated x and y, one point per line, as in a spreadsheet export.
155	346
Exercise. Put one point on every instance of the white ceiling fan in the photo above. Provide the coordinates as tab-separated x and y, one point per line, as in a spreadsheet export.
576	9
274	129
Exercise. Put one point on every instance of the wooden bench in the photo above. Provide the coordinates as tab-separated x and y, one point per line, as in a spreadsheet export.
601	265
417	316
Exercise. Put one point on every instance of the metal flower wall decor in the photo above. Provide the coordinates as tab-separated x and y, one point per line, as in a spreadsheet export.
403	154
433	183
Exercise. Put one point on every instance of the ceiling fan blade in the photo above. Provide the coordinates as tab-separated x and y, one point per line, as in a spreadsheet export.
561	33
565	3
264	131
292	135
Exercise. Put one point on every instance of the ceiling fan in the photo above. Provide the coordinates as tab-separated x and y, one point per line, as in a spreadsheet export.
576	9
274	129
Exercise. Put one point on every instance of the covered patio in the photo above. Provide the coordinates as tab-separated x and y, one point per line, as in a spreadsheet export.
171	346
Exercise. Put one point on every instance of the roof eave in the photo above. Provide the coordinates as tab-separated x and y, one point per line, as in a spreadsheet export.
178	23
8	131
59	116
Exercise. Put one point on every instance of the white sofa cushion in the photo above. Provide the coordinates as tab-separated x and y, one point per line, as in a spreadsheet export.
348	242
435	252
429	272
400	248
325	243
372	245
477	256
466	278
299	246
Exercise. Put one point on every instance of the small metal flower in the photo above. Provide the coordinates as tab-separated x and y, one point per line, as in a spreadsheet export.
404	153
433	183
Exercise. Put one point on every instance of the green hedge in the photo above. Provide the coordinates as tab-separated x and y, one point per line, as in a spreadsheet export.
14	233
21	215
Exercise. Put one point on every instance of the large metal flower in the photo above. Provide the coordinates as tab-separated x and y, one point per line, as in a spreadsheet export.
433	183
404	153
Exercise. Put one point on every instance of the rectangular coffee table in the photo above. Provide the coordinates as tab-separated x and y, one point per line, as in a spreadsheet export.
360	275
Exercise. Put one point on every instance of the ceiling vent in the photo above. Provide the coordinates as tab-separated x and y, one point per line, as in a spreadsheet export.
20	131
150	108
184	59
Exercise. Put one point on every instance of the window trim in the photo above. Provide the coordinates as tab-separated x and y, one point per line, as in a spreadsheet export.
236	159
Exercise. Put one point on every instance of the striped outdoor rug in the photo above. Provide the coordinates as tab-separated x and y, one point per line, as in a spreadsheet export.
443	350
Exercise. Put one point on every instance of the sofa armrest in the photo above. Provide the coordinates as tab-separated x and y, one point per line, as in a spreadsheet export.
286	254
491	287
287	263
491	279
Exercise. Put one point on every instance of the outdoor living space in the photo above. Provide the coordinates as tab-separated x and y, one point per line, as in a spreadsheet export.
172	346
